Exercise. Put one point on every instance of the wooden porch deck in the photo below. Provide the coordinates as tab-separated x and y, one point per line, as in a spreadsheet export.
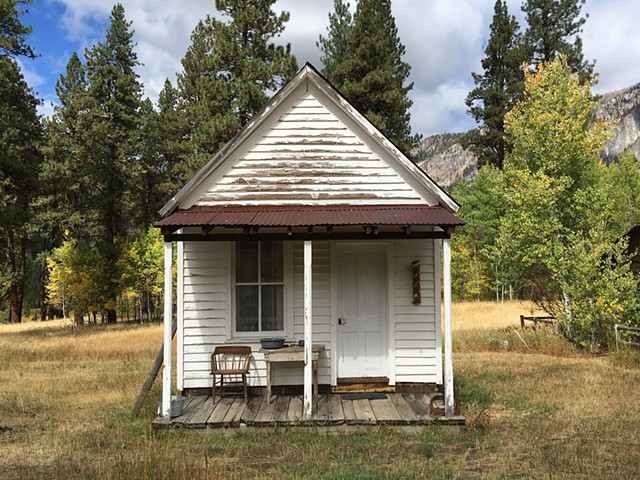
284	410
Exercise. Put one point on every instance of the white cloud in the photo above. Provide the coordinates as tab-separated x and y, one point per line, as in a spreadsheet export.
611	36
31	76
444	40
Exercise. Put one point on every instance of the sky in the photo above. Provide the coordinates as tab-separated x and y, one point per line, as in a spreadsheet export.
444	41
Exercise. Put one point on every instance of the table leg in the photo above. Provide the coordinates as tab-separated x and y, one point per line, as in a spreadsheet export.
268	382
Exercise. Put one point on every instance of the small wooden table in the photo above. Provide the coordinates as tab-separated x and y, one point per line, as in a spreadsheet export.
292	354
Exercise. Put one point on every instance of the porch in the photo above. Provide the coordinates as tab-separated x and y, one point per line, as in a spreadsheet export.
333	410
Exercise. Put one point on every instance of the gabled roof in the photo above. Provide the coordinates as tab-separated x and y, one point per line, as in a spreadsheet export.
213	185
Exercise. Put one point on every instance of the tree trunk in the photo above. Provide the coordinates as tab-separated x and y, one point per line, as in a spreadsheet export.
111	316
16	257
78	318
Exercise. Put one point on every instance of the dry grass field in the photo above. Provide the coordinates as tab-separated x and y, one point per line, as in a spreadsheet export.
540	410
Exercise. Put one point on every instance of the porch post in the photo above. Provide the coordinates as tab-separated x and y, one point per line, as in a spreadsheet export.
448	348
168	318
308	340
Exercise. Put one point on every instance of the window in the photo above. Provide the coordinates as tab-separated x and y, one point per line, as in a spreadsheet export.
259	287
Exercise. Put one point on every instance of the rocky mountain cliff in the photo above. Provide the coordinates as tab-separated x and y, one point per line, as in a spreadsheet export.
446	162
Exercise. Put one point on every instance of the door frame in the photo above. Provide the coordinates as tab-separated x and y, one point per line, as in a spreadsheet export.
388	247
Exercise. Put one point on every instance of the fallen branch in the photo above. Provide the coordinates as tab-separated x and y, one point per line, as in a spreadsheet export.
153	373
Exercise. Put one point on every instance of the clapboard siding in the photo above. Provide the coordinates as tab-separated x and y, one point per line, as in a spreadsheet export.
205	307
309	155
207	313
414	325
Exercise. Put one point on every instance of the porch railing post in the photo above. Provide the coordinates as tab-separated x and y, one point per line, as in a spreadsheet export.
308	337
448	346
168	317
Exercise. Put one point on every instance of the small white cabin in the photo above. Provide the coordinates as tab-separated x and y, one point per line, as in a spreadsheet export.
311	226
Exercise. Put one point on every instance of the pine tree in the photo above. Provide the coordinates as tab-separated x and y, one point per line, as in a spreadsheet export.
111	132
334	47
20	134
13	34
553	29
93	153
496	89
62	205
228	70
173	128
373	75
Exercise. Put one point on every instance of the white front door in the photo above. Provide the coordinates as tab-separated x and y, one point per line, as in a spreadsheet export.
362	310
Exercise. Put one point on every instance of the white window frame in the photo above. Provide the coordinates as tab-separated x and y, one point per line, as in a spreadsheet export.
287	258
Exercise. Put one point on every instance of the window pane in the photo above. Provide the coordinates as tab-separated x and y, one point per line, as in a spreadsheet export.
272	307
272	261
247	308
246	262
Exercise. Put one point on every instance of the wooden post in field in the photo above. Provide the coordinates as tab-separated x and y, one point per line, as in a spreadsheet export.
448	331
168	317
308	337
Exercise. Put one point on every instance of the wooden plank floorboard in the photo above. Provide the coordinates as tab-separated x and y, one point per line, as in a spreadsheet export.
234	415
253	407
332	409
404	410
220	409
294	415
349	412
265	414
201	415
322	412
187	411
385	411
364	412
419	407
336	413
281	410
190	409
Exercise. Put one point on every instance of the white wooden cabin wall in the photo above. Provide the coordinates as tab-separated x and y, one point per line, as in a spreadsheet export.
207	312
416	349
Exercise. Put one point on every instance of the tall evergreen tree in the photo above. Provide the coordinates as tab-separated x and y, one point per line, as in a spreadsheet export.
334	46
372	76
228	70
13	34
20	134
113	105
93	152
173	129
496	89
62	205
553	29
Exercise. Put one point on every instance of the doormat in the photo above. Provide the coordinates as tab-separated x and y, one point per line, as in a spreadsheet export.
364	396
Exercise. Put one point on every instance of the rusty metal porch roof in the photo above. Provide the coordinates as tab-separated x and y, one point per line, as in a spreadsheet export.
310	216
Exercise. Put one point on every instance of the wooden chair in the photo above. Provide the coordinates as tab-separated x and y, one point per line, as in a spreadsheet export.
230	361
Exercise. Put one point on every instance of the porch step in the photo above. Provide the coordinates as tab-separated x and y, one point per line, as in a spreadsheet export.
363	388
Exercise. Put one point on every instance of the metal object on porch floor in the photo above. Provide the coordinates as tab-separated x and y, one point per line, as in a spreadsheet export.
436	406
177	405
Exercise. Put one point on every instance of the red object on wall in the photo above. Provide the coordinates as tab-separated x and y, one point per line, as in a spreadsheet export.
417	298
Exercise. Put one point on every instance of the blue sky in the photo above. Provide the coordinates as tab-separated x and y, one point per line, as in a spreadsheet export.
444	41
